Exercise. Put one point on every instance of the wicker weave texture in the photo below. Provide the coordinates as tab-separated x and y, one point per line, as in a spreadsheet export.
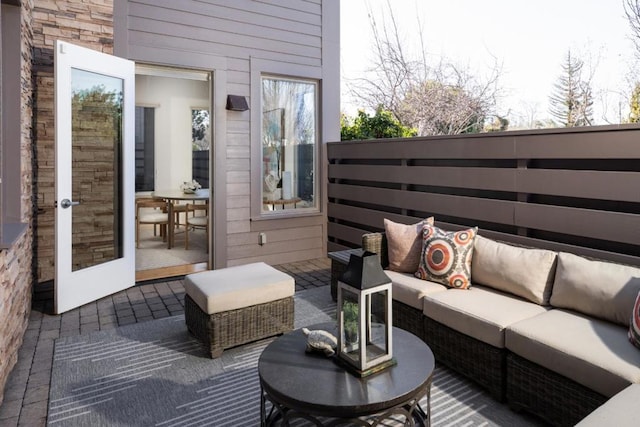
376	243
231	328
408	318
479	361
542	392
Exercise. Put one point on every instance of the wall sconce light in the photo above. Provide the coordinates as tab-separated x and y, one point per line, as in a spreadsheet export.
237	103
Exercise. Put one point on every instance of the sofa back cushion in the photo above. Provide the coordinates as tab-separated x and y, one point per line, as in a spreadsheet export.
404	243
596	288
525	272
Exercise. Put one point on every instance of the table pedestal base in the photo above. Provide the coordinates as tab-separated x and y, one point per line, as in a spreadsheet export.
408	413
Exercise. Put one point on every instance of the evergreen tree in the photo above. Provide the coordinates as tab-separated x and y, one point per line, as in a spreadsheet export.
572	100
634	104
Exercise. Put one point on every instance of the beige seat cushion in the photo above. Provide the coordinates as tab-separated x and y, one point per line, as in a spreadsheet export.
597	288
479	312
619	411
404	243
525	272
592	352
153	217
237	287
410	290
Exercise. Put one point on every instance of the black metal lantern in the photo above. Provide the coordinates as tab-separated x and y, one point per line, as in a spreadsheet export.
364	316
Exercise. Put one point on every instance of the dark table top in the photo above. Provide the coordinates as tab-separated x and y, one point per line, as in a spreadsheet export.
315	384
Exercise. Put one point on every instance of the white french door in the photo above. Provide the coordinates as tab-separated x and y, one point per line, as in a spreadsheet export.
94	163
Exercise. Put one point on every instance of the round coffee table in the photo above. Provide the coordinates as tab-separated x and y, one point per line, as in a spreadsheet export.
316	388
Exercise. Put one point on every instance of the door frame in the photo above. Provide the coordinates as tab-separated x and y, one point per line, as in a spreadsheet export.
217	66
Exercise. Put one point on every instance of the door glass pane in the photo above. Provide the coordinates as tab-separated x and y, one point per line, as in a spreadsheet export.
96	138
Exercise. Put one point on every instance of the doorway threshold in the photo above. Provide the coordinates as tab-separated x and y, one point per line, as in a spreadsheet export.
168	272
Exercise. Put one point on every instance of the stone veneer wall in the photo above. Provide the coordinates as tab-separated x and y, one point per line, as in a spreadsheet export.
16	276
87	23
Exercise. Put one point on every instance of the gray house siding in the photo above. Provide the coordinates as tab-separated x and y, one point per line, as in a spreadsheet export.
238	40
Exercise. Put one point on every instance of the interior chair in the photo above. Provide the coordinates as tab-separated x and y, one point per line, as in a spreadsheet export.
178	208
197	217
152	211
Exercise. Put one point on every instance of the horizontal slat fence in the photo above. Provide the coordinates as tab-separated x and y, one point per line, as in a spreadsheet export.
575	190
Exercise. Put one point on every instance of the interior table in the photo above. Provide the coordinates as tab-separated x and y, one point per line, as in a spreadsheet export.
173	195
273	202
310	386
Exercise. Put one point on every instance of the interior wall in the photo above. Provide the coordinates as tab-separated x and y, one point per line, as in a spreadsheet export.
173	99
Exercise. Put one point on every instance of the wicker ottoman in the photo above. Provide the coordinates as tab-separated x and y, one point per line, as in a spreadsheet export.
236	305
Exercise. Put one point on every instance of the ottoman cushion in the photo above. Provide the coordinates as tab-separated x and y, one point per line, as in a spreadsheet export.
232	288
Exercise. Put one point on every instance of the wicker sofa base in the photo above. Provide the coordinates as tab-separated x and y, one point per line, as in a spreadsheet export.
408	318
227	329
481	362
549	395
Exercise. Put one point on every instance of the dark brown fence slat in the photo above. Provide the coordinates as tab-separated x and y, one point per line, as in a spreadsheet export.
613	144
369	218
498	211
333	247
614	226
479	147
499	179
346	233
602	185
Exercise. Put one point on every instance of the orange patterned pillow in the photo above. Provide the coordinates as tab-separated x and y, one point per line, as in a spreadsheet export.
404	243
446	256
634	326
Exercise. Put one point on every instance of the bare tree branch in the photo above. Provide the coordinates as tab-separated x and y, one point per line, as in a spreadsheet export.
435	97
632	12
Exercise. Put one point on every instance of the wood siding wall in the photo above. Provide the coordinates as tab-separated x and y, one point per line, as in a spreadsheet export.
568	190
240	32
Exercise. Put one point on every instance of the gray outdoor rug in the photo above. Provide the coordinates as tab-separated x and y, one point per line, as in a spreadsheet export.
155	374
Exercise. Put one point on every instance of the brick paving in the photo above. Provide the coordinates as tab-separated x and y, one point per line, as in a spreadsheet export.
26	394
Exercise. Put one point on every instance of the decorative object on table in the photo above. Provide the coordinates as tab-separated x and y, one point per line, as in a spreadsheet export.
319	340
364	316
190	187
287	185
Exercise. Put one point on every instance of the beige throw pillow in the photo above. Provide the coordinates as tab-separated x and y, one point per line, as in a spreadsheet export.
404	243
527	273
596	288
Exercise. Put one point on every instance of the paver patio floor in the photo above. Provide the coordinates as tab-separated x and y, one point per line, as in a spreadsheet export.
26	394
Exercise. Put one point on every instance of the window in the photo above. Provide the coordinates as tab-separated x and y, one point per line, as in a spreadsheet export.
289	144
200	144
145	146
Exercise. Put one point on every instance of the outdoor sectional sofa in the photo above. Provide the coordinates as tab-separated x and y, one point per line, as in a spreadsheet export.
545	331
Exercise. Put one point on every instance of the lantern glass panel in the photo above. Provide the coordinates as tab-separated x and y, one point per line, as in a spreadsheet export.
351	326
378	322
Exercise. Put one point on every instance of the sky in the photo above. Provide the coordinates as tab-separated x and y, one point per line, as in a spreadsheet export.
529	38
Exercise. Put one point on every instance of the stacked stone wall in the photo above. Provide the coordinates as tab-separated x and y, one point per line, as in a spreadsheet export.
16	268
87	23
15	303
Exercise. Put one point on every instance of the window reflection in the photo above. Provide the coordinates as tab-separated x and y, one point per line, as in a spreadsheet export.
289	136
